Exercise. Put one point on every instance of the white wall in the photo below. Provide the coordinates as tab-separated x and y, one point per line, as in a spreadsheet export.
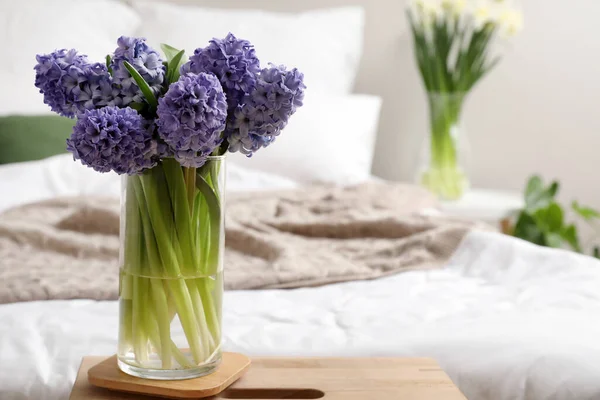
537	112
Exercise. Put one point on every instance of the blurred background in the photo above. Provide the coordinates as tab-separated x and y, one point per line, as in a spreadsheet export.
534	113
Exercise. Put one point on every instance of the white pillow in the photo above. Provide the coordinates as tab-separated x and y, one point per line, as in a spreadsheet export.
330	139
326	45
39	26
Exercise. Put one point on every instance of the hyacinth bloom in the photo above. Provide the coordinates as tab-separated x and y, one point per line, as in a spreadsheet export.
191	117
165	125
233	61
265	112
145	60
113	139
71	84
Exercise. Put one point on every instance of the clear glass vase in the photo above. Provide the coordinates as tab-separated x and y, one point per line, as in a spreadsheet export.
442	165
171	283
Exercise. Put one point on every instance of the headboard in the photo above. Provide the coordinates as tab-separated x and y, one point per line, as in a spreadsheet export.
386	69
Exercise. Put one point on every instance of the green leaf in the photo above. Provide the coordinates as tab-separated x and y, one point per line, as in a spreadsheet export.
540	216
554	217
533	189
136	106
174	65
569	235
536	196
542	221
175	59
549	219
170	51
586	213
527	229
108	61
142	84
553	189
553	240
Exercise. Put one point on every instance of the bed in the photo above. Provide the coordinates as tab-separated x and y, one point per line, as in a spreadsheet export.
504	318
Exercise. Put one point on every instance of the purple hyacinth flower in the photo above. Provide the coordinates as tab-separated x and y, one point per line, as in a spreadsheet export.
233	61
113	139
71	84
145	60
265	112
191	117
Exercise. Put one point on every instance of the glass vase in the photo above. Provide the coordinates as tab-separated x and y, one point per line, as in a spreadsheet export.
171	276
444	156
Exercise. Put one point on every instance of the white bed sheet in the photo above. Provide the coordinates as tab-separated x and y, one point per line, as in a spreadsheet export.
505	319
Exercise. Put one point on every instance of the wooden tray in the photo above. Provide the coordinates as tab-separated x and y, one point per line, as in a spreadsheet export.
314	378
107	374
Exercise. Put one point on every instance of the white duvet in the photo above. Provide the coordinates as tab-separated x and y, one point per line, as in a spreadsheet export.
504	318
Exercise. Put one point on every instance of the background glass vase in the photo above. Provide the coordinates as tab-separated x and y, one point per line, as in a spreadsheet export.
171	282
445	152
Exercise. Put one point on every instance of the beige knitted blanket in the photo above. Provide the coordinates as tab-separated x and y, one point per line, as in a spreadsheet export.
68	248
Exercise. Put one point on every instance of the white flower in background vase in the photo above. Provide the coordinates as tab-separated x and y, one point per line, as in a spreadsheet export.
431	10
502	15
454	7
482	13
510	21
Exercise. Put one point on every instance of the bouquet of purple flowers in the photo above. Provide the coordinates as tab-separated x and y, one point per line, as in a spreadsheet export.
136	109
165	125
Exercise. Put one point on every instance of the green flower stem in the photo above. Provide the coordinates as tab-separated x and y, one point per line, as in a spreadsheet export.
140	340
202	235
157	199
190	185
214	214
170	302
126	322
157	341
201	214
210	311
183	303
212	208
177	353
131	263
181	207
135	284
214	178
182	185
172	254
168	255
163	320
444	176
158	293
205	334
208	211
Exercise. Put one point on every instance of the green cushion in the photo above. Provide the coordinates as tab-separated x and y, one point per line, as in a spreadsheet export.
26	138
